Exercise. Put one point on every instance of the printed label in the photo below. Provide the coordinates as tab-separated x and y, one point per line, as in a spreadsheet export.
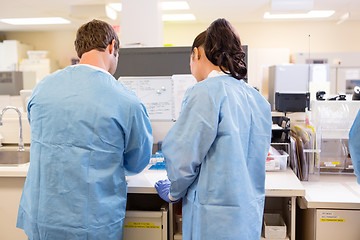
330	217
331	164
141	225
331	220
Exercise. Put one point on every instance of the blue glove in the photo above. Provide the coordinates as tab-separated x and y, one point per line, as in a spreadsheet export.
163	189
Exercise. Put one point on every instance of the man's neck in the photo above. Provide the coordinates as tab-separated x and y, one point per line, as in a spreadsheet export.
94	58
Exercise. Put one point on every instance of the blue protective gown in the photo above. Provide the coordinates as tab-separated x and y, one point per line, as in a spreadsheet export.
215	159
354	145
86	129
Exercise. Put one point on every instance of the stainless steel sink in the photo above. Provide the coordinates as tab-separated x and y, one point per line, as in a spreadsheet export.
11	156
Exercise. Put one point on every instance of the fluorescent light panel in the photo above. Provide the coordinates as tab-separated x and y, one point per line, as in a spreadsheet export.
178	17
343	18
291	5
35	21
311	14
116	6
178	5
110	12
174	5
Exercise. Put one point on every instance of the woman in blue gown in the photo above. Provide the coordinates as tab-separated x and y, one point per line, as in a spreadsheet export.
215	153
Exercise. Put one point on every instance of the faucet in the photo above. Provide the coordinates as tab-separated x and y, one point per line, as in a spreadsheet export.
21	142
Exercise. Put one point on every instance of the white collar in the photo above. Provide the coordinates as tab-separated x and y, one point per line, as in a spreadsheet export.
93	67
215	73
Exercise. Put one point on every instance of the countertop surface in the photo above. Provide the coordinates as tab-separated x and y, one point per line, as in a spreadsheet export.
277	184
329	191
283	184
14	170
332	191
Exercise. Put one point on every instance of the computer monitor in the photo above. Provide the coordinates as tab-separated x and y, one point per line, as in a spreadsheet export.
155	61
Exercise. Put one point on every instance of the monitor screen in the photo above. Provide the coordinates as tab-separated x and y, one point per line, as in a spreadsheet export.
156	61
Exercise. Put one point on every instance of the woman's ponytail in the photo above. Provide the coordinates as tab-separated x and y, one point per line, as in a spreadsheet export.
223	48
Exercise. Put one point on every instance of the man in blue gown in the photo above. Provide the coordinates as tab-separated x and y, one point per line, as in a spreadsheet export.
86	130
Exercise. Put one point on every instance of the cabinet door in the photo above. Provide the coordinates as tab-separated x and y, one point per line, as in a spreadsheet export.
337	224
10	194
150	225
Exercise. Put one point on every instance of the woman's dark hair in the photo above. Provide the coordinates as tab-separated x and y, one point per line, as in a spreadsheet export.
97	35
199	41
222	47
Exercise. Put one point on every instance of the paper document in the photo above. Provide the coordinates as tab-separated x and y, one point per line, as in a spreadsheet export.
155	176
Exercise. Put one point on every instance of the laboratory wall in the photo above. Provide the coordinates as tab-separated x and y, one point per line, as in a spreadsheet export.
294	36
59	44
324	36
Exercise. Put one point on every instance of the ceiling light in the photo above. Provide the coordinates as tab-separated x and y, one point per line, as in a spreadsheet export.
178	17
311	14
178	5
110	12
35	21
116	6
343	18
291	5
86	11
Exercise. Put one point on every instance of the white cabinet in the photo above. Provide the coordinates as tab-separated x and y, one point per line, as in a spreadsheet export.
150	225
10	194
145	208
330	210
11	52
330	224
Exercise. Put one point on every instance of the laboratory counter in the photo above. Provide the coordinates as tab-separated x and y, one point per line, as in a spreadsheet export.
330	209
281	188
14	170
332	191
279	184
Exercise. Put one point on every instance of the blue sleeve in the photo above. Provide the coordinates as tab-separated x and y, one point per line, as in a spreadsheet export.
28	108
32	96
188	142
354	145
138	141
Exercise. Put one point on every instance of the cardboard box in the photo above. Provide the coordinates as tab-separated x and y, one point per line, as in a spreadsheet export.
274	226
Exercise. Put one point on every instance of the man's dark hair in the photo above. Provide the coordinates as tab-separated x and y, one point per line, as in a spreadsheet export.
97	35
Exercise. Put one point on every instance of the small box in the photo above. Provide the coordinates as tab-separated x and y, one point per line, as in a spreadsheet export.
274	226
276	162
37	54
